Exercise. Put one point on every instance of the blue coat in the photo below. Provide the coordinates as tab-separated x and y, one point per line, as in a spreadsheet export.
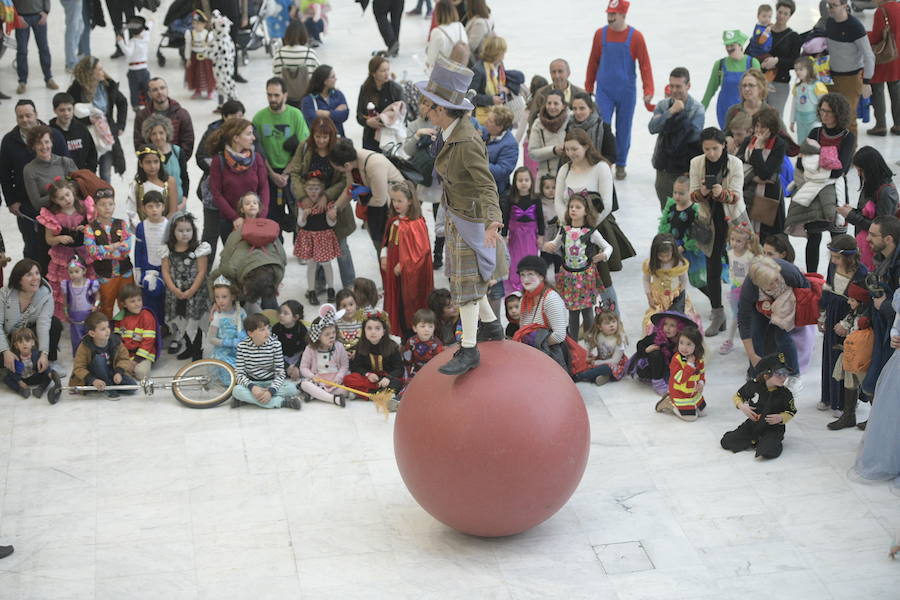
310	104
503	154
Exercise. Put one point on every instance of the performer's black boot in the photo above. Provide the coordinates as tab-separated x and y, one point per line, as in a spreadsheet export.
438	260
464	359
490	332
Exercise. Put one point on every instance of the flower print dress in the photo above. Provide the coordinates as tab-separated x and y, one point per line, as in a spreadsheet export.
184	316
60	255
578	281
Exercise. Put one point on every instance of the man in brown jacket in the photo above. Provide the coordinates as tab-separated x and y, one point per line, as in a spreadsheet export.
475	252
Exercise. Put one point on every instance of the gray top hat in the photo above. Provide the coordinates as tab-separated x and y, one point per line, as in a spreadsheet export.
448	84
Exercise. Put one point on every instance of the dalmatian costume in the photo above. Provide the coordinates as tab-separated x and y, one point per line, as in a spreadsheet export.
222	54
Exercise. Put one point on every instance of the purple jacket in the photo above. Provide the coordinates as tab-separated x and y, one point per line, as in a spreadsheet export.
227	186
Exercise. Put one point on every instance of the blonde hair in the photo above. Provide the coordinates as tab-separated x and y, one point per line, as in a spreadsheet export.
764	271
753	244
493	48
503	116
761	82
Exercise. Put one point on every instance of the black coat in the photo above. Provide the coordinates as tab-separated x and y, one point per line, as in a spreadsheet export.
116	116
14	155
389	93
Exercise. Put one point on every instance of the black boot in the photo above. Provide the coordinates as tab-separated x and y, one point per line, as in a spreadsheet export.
438	260
464	359
197	346
490	332
848	418
188	348
5	551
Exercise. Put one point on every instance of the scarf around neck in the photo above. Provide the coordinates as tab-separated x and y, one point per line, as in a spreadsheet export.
553	124
531	300
238	161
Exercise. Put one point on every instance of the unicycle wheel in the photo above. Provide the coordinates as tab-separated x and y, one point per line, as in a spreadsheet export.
204	383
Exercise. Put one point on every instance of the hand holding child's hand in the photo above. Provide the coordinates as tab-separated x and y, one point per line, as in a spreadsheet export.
774	419
748	410
331	214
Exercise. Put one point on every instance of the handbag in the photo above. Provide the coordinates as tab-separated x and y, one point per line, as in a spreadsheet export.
260	232
885	50
764	209
828	158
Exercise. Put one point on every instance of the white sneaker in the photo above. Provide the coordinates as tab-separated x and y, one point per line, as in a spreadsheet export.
837	413
822	405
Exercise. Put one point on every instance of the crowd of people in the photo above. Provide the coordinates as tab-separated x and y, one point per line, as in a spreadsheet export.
521	178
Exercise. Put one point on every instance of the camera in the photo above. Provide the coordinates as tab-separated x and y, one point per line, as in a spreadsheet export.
874	285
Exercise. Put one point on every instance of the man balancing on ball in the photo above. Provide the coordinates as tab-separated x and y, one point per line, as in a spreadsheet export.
475	252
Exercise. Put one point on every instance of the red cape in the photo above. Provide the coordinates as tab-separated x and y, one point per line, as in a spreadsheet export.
407	244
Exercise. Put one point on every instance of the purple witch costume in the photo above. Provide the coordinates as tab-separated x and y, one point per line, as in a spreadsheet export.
80	302
521	226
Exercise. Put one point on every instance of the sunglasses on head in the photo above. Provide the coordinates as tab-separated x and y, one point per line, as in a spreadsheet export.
104	193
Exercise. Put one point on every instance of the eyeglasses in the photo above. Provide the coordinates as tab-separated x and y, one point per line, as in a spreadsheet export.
749	84
824	111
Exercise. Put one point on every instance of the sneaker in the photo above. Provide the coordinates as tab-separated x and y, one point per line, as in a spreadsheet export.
464	360
6	551
112	394
235	403
620	172
292	403
4	96
822	405
52	85
117	54
238	78
414	12
877	131
660	386
197	95
26	393
340	400
664	405
20	89
40	389
601	379
726	347
174	347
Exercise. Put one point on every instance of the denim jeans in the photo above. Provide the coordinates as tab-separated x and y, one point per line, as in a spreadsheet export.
593	373
74	29
345	264
99	368
40	37
287	390
760	328
87	16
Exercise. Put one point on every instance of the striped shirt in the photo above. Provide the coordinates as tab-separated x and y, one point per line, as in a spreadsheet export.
260	363
551	306
294	56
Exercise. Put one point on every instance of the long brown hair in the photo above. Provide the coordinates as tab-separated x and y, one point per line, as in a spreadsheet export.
846	246
590	213
661	242
408	189
84	75
368	86
56	187
222	136
592	154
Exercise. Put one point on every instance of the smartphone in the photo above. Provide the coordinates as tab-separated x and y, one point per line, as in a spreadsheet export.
709	181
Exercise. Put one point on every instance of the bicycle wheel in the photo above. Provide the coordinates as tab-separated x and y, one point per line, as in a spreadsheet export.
204	383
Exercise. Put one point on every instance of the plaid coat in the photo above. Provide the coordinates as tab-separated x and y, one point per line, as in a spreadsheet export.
470	194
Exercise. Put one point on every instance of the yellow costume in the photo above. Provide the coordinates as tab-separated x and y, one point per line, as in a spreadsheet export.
667	292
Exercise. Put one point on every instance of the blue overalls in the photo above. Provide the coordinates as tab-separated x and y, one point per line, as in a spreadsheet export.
616	89
730	90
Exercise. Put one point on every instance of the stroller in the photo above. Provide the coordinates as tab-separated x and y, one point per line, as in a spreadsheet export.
177	21
257	34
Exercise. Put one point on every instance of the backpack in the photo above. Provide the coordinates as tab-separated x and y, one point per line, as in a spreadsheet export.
259	232
858	346
807	310
296	80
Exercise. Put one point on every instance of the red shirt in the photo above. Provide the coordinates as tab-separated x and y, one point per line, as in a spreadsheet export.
638	53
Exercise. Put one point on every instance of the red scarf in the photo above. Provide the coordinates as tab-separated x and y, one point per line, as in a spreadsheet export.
530	300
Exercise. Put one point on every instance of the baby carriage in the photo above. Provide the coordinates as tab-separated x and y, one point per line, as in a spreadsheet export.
257	34
177	21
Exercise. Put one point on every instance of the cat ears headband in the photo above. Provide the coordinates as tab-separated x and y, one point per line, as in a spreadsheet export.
327	318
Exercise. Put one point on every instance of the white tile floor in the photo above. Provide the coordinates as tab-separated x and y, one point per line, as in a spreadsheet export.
145	499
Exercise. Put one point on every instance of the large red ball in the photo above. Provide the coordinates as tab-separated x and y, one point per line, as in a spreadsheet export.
495	451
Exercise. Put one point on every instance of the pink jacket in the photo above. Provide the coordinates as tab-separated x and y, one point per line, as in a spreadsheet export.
308	363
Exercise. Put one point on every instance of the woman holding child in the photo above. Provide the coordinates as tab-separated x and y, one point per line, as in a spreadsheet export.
27	301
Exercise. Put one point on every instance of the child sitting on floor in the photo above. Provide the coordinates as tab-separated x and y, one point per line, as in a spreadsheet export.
422	346
27	373
324	358
260	369
137	327
291	332
687	378
606	343
768	406
650	362
349	326
101	358
377	363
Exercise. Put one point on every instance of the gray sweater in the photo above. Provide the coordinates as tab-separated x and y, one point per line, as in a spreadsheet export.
31	7
848	48
37	315
38	174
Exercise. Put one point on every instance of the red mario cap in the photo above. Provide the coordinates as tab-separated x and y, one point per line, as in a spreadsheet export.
618	6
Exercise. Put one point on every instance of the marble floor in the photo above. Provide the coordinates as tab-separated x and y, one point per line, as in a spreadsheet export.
143	498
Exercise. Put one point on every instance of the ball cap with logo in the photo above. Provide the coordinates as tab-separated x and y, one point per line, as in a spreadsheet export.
618	6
